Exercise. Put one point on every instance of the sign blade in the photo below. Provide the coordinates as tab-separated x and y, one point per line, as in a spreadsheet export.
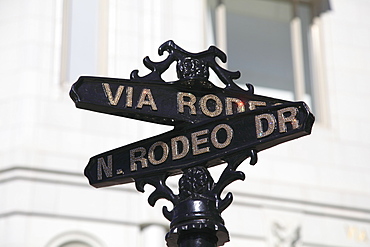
205	144
172	103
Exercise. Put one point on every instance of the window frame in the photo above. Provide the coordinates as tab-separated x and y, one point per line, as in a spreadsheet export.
102	40
74	236
217	8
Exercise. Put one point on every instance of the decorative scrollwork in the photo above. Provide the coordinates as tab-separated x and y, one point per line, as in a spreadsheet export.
196	182
190	66
199	204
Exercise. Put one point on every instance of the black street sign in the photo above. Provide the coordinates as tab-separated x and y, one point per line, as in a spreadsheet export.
173	103
202	144
211	123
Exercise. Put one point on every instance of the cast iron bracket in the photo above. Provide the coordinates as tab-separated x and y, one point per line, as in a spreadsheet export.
220	125
197	208
190	66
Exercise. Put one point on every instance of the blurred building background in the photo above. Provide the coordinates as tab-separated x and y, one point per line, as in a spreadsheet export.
311	192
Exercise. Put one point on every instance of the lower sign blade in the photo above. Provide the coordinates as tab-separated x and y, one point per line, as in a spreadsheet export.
206	144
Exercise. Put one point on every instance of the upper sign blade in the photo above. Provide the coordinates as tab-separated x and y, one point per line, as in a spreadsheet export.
173	103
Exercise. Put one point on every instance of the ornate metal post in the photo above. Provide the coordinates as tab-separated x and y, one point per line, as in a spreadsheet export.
196	217
212	125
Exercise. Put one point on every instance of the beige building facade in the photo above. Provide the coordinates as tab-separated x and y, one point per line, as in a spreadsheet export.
310	192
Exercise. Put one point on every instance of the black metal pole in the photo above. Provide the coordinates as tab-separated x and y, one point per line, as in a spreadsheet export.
196	218
195	239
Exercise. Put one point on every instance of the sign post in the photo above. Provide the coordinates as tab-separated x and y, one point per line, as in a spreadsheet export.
212	125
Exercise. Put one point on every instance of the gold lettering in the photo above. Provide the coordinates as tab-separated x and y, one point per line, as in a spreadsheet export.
203	105
108	92
146	93
229	136
102	166
351	232
195	142
271	122
253	104
229	106
357	233
129	92
181	102
151	155
175	149
291	118
362	236
140	158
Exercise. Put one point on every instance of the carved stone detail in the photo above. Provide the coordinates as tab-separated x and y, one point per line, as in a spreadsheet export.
284	236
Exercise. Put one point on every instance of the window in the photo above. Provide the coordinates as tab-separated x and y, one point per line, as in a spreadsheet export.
75	244
74	239
84	39
271	42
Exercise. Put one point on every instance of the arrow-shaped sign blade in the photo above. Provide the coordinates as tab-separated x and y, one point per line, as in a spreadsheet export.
171	103
205	144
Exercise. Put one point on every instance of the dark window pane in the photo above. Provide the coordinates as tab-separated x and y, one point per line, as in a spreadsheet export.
259	42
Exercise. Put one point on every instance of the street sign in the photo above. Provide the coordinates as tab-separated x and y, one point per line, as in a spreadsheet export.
174	103
205	144
211	123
